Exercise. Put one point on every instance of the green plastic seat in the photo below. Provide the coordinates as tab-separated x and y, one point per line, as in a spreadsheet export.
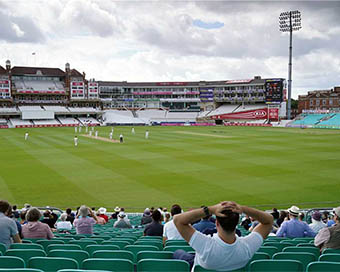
82	244
256	256
97	240
51	264
323	267
46	243
176	243
151	265
331	250
93	248
151	238
330	257
104	237
65	239
26	254
275	265
305	245
278	245
150	242
120	244
154	255
134	249
11	262
80	270
313	250
268	249
201	269
304	257
77	255
121	239
174	248
113	254
20	270
30	240
2	248
120	265
63	247
26	246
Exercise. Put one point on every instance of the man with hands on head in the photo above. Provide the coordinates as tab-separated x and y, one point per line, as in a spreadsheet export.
225	250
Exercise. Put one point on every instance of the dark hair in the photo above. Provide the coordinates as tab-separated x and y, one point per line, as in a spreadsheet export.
33	214
14	208
301	216
68	211
4	206
229	221
156	215
175	209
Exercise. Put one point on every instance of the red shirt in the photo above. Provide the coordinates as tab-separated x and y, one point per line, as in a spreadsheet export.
104	216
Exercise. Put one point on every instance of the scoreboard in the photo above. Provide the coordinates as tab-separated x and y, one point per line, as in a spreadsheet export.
274	90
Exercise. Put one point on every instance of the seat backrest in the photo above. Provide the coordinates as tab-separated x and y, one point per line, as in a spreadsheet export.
113	254
134	249
151	242
176	243
52	263
121	244
26	254
62	247
330	257
93	248
108	264
2	248
154	255
304	257
278	245
271	250
26	246
20	270
46	243
331	250
275	265
121	239
11	262
77	255
313	250
151	265
323	267
82	244
174	248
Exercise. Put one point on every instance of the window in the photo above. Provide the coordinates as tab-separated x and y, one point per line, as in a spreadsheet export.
324	102
318	102
330	101
311	103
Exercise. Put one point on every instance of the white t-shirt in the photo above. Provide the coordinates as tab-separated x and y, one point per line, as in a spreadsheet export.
64	225
170	231
213	253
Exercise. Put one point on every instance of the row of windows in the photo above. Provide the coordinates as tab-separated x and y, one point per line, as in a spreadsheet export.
323	102
39	78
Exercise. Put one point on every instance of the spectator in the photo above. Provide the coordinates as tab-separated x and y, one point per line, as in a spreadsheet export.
204	224
10	215
8	227
170	231
23	217
225	250
317	223
330	237
15	212
155	228
275	214
146	219
167	218
102	214
70	215
116	212
100	220
34	228
294	228
50	218
122	222
246	222
301	216
325	216
330	221
85	221
63	224
282	217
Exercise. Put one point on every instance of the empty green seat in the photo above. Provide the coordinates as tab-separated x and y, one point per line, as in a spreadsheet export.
82	244
134	249
151	265
176	243
80	270
305	245
113	254
201	269
304	257
77	255
151	242
50	264
26	254
174	248
26	246
331	250
278	245
329	257
11	262
20	270
154	255
160	238
323	267
256	256
275	265
120	244
2	248
46	243
108	264
65	239
63	247
30	240
313	250
93	248
268	249
97	240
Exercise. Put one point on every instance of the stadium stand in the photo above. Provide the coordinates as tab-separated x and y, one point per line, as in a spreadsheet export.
181	116
309	119
68	121
30	108
8	110
116	117
57	109
46	122
82	110
333	120
19	123
90	121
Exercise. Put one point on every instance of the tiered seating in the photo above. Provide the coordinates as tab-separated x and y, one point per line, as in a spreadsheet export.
30	108
126	113
152	115
181	116
68	121
333	121
18	122
9	110
90	121
309	119
113	117
223	109
57	109
46	122
41	85
84	109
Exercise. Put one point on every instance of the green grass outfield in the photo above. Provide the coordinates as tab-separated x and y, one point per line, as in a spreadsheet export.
190	166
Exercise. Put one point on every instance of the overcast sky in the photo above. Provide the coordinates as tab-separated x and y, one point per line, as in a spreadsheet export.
174	40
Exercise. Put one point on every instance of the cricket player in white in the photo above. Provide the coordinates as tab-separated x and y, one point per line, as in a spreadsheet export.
92	128
75	141
133	130
75	129
110	135
147	134
112	129
87	129
26	136
96	134
79	128
90	133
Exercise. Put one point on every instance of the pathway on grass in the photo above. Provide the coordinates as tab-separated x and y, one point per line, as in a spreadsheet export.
204	134
100	138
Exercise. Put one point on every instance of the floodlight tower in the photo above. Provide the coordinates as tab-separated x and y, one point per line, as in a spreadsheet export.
290	21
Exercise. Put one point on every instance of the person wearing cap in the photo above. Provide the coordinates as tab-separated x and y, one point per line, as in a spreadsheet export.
224	250
85	221
294	228
116	212
122	223
329	237
102	214
146	219
317	223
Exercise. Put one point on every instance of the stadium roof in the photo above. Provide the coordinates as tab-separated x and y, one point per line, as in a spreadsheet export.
2	70
76	73
21	70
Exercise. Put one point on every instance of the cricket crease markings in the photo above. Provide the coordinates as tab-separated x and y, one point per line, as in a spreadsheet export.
100	138
203	134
